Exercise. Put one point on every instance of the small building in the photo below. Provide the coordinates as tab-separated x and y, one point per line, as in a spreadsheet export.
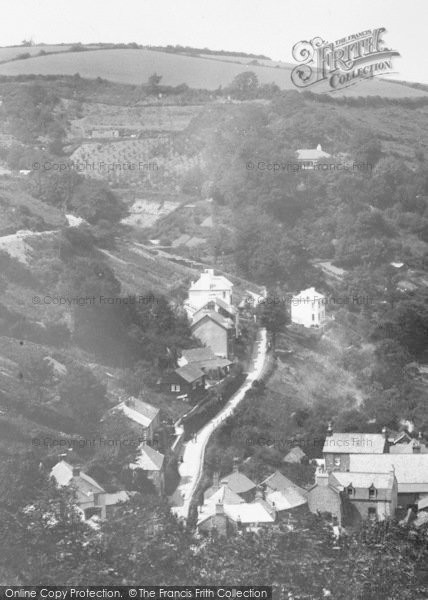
216	332
225	518
309	158
282	494
240	484
208	287
339	447
325	497
152	463
295	456
308	308
228	311
372	495
414	446
411	471
92	499
188	380
214	367
142	413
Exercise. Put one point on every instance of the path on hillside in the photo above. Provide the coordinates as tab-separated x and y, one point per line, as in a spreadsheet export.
194	451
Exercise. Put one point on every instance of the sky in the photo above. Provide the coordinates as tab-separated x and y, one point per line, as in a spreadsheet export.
269	27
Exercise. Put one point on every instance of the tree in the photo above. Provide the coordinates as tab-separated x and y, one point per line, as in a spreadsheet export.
272	315
244	85
84	395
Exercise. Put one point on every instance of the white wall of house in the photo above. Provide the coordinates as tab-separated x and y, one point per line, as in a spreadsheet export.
308	308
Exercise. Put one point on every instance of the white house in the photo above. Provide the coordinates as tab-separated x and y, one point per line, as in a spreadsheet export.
308	308
309	157
207	288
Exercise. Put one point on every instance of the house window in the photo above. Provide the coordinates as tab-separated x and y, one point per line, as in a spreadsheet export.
224	294
350	491
175	387
337	461
313	317
372	492
372	513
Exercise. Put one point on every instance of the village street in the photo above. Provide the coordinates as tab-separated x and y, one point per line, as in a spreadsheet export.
194	450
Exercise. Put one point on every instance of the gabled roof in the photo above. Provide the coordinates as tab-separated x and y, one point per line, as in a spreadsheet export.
189	373
408	448
411	470
148	459
214	316
245	513
286	499
295	455
83	483
277	482
354	443
238	482
225	306
139	411
311	153
380	481
222	494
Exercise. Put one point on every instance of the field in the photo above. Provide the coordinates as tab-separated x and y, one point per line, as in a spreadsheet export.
11	52
135	118
136	66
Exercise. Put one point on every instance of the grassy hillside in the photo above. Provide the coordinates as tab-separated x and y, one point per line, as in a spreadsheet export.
136	66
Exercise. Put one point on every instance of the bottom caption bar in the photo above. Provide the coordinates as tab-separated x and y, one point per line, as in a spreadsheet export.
193	592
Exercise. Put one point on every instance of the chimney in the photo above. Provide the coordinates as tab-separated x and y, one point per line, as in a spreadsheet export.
216	480
219	508
131	402
210	272
417	445
321	477
385	432
259	493
145	436
236	464
319	148
76	471
329	429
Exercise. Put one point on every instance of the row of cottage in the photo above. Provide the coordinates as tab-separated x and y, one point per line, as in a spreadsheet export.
361	476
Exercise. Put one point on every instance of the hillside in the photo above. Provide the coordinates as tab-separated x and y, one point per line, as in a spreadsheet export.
136	66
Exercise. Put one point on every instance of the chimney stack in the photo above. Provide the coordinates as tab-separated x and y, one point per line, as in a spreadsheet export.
329	429
321	477
236	464
259	493
76	471
219	508
385	432
216	480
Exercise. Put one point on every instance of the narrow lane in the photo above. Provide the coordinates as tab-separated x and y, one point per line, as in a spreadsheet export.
194	450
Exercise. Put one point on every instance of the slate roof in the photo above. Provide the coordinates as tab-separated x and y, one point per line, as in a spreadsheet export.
286	499
204	358
311	154
148	459
354	443
139	411
245	513
382	482
84	484
423	503
214	316
222	494
189	373
295	455
408	448
277	482
411	470
238	482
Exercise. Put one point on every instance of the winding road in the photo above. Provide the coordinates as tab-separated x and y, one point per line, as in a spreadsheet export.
194	450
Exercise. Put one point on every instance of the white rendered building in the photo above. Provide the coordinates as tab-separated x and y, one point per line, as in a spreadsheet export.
207	288
308	308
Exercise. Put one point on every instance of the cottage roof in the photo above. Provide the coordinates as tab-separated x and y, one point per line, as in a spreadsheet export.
148	459
63	475
198	354
295	455
139	411
354	443
245	513
365	480
189	373
411	470
214	316
277	482
238	482
409	448
286	499
312	153
222	494
232	310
